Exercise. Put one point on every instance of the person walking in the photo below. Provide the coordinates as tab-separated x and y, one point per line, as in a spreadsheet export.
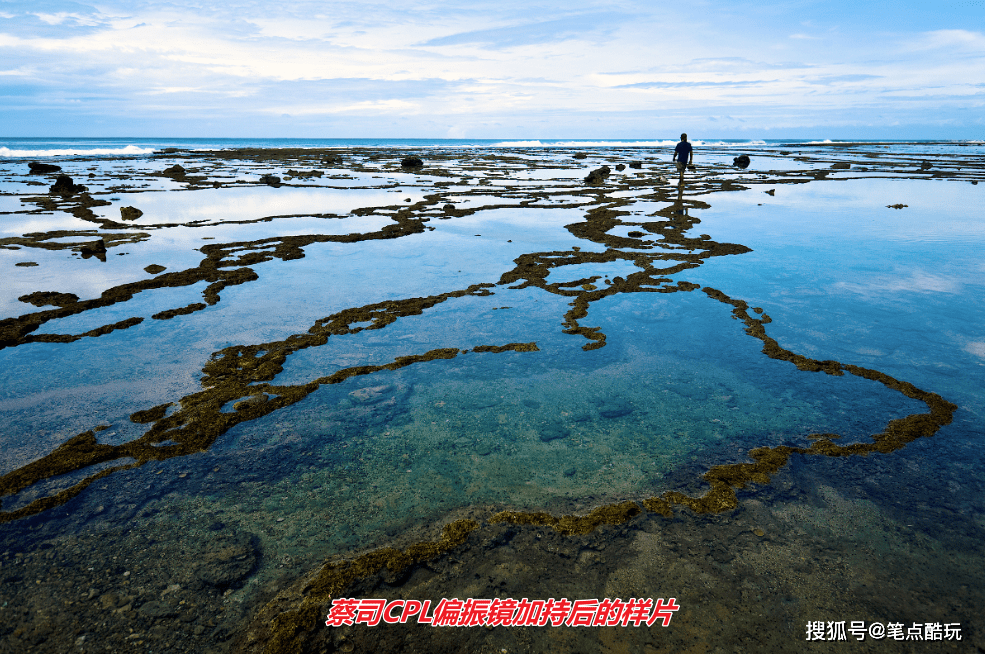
684	155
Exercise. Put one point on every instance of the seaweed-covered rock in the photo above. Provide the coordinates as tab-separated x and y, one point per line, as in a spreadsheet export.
97	249
49	298
742	161
620	167
636	164
42	168
271	180
553	432
598	175
65	186
130	213
176	172
226	561
411	162
580	155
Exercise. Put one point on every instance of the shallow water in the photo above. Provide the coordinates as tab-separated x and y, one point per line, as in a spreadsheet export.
340	369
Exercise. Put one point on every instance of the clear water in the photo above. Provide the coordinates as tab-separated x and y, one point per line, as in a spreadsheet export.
678	387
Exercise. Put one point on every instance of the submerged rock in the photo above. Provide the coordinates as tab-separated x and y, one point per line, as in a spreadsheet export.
615	408
371	394
598	175
42	168
553	432
411	162
226	561
742	161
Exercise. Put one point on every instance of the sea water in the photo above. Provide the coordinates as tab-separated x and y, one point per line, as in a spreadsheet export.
578	367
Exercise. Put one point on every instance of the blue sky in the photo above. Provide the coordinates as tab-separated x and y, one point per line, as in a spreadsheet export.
493	69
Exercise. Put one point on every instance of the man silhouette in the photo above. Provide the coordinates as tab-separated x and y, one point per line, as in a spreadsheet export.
683	155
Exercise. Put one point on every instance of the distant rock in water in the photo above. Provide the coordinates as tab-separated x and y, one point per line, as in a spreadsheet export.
271	180
130	213
580	155
175	172
411	162
841	165
42	168
598	175
742	161
620	167
636	164
65	186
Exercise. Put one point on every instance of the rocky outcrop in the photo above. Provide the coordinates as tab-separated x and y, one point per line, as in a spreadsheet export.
742	161
580	155
175	172
271	180
636	164
42	168
841	165
130	213
411	162
620	167
97	249
65	186
598	175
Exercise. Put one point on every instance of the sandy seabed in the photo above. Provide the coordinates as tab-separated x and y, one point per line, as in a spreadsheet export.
236	386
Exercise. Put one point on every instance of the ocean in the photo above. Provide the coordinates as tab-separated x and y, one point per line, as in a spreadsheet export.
243	381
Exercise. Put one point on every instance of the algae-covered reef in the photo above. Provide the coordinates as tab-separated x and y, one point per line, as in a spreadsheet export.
364	289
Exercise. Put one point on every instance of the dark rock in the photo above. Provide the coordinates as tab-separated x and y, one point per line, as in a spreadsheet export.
411	162
553	432
925	165
26	264
615	408
226	561
331	160
895	206
157	609
636	234
772	191
175	172
46	298
598	175
130	213
742	161
97	249
42	168
620	167
841	165
271	180
155	268
64	186
580	155
449	207
636	164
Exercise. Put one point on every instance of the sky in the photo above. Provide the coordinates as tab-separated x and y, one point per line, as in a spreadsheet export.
493	69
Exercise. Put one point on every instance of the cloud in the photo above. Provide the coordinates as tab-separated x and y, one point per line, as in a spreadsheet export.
549	31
